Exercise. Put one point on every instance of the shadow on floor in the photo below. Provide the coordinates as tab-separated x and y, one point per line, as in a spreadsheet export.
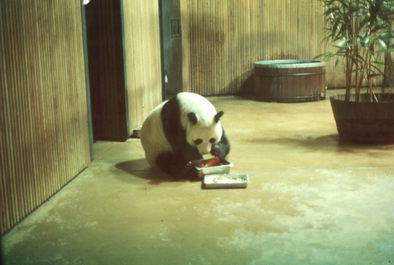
141	169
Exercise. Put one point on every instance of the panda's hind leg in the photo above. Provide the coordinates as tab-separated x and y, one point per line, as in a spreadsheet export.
166	162
174	166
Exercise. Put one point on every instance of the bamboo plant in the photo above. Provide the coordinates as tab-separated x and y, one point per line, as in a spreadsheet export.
362	33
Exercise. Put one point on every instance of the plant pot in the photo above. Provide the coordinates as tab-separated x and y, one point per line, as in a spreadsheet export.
364	122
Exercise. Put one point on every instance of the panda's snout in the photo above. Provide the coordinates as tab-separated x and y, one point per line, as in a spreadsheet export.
204	150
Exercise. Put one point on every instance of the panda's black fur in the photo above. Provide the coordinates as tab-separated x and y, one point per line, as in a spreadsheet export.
174	162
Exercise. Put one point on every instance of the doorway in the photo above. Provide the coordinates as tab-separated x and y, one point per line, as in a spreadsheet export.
106	70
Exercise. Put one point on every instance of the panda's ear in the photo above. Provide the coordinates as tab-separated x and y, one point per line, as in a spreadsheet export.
218	116
192	117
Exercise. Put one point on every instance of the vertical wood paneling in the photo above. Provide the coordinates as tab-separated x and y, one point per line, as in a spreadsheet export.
44	135
223	38
142	58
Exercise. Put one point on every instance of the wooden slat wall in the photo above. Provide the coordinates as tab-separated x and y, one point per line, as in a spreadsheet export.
223	38
44	135
142	58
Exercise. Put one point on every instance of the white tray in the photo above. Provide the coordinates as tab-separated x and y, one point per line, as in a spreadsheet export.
217	181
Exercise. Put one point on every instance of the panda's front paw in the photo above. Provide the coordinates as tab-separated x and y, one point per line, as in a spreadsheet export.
189	172
218	152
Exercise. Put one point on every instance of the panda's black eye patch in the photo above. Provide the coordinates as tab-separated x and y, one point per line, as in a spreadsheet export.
212	140
198	141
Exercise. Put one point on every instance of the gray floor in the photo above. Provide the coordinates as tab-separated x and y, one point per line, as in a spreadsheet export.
309	201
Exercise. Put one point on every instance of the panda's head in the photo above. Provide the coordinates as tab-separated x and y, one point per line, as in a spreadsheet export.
203	135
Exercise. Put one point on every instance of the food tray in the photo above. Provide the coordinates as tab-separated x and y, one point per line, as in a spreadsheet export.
218	181
202	171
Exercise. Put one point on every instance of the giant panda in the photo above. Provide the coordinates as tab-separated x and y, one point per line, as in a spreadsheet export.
182	129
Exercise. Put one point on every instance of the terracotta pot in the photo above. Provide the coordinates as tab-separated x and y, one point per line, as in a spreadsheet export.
364	122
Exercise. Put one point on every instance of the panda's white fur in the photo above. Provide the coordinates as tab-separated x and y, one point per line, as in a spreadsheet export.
206	128
154	137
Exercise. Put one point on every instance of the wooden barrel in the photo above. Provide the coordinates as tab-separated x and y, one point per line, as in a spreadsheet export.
289	80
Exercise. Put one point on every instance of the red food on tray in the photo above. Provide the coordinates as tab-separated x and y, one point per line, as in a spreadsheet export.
215	161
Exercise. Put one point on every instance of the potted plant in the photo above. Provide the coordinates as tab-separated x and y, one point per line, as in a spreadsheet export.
362	31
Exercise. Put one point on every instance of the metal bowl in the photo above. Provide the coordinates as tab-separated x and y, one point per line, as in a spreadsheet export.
220	169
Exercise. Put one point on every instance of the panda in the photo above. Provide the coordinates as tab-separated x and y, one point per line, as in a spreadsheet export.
182	129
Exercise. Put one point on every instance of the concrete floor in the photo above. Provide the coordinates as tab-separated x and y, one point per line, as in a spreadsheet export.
309	201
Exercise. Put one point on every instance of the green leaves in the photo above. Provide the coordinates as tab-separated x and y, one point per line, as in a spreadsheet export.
342	43
383	44
362	31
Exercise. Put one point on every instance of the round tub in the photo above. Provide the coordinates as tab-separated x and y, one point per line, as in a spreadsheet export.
289	80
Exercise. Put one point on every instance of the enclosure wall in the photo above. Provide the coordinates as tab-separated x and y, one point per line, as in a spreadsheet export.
223	38
142	58
44	132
